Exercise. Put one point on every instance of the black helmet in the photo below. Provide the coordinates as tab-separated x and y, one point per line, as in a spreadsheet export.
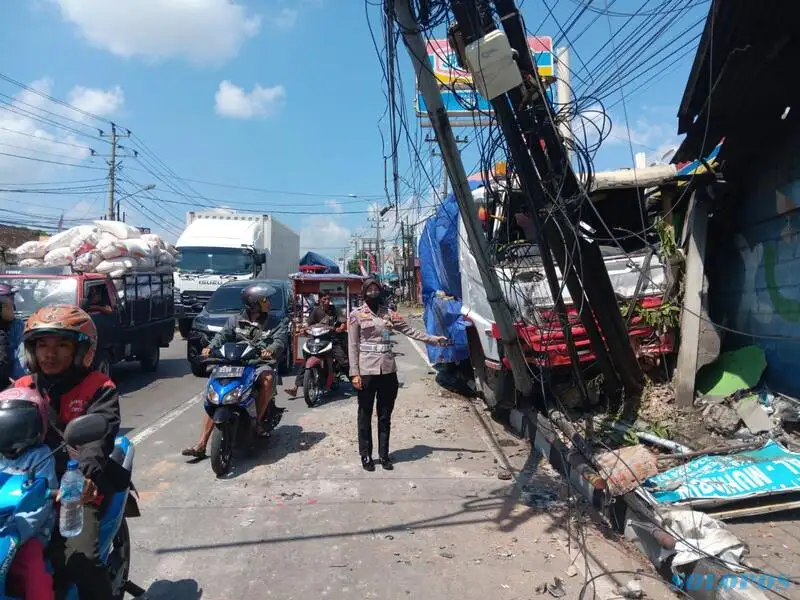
254	296
23	420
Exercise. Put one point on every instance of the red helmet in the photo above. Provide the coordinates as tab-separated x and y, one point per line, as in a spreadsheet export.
64	320
23	420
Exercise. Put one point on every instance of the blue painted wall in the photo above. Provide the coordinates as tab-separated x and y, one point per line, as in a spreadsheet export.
754	263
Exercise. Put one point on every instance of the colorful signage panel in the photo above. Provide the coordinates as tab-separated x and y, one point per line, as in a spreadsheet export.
458	95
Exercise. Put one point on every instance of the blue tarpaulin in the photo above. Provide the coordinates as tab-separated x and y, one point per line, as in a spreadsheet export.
440	273
312	259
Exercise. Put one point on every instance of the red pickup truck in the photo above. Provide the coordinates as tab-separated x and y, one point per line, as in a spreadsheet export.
134	313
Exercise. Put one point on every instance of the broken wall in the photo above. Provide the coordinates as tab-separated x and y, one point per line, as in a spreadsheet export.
754	262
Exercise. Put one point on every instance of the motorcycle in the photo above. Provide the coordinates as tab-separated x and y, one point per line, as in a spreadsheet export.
320	370
26	492
231	402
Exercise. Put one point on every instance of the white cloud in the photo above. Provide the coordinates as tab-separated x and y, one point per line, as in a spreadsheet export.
322	230
22	134
97	102
335	206
286	18
232	101
201	31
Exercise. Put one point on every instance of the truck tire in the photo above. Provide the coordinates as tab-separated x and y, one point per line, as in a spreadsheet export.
184	325
150	359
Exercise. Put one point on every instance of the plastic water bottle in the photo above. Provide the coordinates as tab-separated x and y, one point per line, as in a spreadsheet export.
387	336
71	518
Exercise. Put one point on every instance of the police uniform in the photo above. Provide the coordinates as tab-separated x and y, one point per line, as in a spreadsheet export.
372	359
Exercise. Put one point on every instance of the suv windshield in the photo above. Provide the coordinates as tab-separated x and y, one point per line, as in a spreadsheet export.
215	261
228	298
35	292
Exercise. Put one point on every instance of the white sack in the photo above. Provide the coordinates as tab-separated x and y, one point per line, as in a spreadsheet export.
153	240
31	262
59	257
63	239
86	239
165	258
171	249
88	261
110	249
136	248
115	264
32	249
145	264
118	229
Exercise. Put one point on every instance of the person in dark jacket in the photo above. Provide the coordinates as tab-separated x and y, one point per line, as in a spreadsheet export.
325	314
60	343
271	335
11	328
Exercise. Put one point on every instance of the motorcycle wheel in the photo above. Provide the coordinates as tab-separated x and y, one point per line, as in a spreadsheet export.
121	560
222	449
311	391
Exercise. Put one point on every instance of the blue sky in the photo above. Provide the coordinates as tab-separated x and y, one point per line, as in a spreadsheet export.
281	96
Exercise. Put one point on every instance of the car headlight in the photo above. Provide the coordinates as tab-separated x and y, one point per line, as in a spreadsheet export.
232	397
213	396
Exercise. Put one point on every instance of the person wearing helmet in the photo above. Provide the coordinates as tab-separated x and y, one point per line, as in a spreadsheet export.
271	334
23	427
60	343
11	365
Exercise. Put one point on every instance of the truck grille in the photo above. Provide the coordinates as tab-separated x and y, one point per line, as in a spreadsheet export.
193	297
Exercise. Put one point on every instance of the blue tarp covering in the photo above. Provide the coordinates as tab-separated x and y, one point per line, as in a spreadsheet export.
312	259
439	271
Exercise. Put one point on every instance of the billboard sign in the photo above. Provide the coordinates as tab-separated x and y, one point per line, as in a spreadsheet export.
458	93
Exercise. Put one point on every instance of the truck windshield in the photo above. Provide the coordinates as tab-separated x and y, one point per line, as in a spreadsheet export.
215	261
229	299
35	292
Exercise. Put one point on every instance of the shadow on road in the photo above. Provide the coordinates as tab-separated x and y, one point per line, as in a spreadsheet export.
185	589
421	451
130	378
285	440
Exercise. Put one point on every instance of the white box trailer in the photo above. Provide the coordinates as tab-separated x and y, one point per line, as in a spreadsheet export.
222	245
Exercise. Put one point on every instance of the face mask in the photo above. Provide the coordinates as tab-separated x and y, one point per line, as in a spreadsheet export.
373	295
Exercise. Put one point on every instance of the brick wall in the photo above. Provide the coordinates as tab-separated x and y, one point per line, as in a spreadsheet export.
754	262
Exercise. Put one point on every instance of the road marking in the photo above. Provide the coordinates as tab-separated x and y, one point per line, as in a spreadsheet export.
421	351
166	419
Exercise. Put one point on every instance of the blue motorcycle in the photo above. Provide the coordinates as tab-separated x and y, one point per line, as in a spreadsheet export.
231	402
27	492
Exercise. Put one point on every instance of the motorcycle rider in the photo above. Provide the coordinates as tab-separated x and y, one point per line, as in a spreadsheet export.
253	321
11	328
325	314
60	343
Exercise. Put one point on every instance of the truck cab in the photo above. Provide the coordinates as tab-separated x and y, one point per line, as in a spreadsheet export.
221	246
134	313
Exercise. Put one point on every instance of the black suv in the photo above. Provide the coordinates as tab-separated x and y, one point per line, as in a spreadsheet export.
226	301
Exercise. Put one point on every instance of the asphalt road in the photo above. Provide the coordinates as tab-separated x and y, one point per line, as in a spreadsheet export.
300	519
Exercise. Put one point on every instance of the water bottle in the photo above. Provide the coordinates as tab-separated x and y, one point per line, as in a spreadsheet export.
387	336
71	518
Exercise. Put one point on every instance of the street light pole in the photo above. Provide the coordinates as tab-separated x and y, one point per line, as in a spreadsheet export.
146	188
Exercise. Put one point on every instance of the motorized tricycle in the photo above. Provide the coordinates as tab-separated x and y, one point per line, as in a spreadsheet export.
320	373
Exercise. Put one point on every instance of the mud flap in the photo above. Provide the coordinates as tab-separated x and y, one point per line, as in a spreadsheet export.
132	503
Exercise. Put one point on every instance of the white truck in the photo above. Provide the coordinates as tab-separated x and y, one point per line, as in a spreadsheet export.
222	245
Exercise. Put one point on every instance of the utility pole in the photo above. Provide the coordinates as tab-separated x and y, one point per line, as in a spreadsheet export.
432	140
112	169
379	220
564	94
390	57
458	176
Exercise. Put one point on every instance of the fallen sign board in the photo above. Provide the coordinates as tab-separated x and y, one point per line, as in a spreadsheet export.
716	480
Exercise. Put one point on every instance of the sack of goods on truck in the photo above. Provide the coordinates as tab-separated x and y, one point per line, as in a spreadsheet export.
107	247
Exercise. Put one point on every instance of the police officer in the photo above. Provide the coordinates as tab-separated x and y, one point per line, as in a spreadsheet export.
373	370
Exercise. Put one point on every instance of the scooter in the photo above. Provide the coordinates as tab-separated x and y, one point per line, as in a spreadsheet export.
320	370
26	492
231	402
